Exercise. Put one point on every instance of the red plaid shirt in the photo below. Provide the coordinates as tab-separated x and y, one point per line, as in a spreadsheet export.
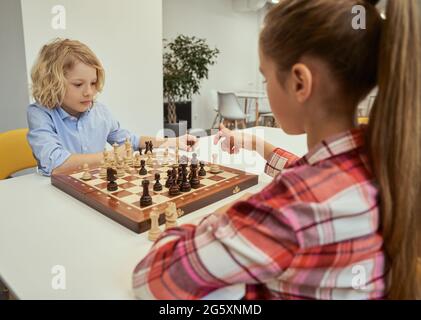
313	233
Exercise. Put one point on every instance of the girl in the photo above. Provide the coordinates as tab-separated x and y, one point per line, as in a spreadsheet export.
342	222
67	127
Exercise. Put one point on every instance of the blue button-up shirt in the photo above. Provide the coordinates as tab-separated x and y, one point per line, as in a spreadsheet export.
54	134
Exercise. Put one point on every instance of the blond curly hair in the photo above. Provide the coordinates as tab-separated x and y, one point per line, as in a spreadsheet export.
54	61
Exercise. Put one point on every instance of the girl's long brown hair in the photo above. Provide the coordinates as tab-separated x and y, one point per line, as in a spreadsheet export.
387	53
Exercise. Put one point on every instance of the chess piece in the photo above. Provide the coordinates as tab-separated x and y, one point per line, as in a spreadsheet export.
128	158
180	175
140	151
115	147
86	174
174	188
103	170
146	199
142	170
194	180
128	146
157	186
136	162
111	178
168	182
120	168
194	159
185	185
214	167
202	171
154	231
171	216
149	160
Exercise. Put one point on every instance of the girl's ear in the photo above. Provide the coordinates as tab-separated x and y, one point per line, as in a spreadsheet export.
302	82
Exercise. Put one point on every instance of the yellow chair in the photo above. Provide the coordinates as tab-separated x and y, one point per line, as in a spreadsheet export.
16	154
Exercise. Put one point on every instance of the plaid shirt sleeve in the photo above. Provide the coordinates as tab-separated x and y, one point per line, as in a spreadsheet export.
279	160
253	239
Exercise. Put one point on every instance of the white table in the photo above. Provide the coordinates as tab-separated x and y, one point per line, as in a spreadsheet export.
42	227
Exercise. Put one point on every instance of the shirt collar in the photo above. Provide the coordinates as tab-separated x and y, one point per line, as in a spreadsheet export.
64	114
335	145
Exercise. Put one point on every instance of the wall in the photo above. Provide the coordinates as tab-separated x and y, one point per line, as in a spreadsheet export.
13	81
234	33
126	36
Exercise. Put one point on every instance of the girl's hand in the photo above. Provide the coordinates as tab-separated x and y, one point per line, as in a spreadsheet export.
186	142
232	141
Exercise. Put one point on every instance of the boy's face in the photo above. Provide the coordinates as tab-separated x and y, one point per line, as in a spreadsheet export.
80	89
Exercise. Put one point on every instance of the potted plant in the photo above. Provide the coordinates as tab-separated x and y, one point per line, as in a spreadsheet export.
186	62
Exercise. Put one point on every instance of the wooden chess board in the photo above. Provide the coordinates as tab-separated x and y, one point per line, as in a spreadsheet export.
123	205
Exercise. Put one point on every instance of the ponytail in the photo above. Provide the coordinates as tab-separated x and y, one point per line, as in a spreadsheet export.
395	138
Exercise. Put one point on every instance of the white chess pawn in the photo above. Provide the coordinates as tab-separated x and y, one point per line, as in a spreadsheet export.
171	215
154	231
149	160
120	168
86	174
103	170
137	160
214	168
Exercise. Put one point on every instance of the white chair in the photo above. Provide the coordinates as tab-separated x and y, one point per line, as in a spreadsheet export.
230	109
264	111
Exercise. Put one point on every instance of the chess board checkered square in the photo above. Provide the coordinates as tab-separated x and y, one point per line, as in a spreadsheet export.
102	185
131	178
127	185
121	193
227	175
135	189
94	182
206	182
159	199
216	178
131	199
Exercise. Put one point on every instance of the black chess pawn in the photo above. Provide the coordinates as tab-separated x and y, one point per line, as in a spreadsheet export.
202	171
151	147
142	170
174	188
185	185
146	199
168	182
111	178
140	150
180	175
157	186
194	180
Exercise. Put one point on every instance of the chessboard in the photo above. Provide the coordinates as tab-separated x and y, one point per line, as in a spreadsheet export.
123	205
